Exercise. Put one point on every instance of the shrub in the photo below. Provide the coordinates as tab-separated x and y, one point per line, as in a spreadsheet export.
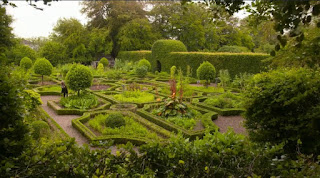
173	72
161	50
65	69
84	101
39	129
284	106
242	80
224	77
206	71
233	49
135	97
115	120
43	67
26	63
79	78
100	69
144	62
142	71
104	61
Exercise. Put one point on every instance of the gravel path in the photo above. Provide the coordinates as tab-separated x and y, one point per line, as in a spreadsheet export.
63	120
235	122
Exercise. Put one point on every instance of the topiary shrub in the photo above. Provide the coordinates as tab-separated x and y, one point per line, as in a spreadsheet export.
104	61
100	69
26	63
115	120
42	67
142	71
79	78
233	49
284	106
39	128
206	71
161	50
144	62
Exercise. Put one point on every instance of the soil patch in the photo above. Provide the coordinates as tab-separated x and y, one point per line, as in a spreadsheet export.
99	87
47	83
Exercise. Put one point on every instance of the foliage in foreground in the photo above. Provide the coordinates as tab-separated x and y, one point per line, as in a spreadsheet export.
218	155
283	106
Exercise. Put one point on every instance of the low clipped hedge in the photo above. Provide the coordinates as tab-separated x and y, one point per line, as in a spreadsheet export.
134	55
207	121
222	112
67	111
118	139
236	63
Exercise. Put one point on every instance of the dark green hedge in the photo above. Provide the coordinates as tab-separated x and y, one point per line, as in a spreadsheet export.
222	112
134	55
236	63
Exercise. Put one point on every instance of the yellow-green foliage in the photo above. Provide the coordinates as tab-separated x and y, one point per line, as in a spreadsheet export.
135	97
26	63
104	61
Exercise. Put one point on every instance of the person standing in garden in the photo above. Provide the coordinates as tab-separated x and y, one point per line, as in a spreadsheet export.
64	89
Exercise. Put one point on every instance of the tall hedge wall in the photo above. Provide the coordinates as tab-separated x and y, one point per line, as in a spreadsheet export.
161	50
236	63
174	52
134	55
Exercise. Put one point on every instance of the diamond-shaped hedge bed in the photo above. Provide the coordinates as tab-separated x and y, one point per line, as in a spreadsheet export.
203	122
136	129
103	104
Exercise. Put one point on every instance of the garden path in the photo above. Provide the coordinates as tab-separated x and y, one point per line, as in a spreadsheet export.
235	122
63	120
65	123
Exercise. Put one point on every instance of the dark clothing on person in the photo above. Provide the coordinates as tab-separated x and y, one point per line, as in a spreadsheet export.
64	90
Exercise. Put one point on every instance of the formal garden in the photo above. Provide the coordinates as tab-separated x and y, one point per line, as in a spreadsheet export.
132	96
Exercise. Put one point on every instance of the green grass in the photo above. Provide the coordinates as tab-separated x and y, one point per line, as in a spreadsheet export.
135	97
131	128
51	88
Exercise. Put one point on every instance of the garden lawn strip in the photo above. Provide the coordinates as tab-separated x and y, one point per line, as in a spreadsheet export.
235	122
63	120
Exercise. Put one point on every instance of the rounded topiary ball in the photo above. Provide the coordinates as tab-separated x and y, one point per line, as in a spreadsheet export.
115	120
39	129
43	67
141	71
104	61
79	78
206	71
26	63
144	62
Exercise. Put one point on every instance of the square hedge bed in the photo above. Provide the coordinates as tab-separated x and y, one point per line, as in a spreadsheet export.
93	135
108	95
69	111
206	121
220	111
